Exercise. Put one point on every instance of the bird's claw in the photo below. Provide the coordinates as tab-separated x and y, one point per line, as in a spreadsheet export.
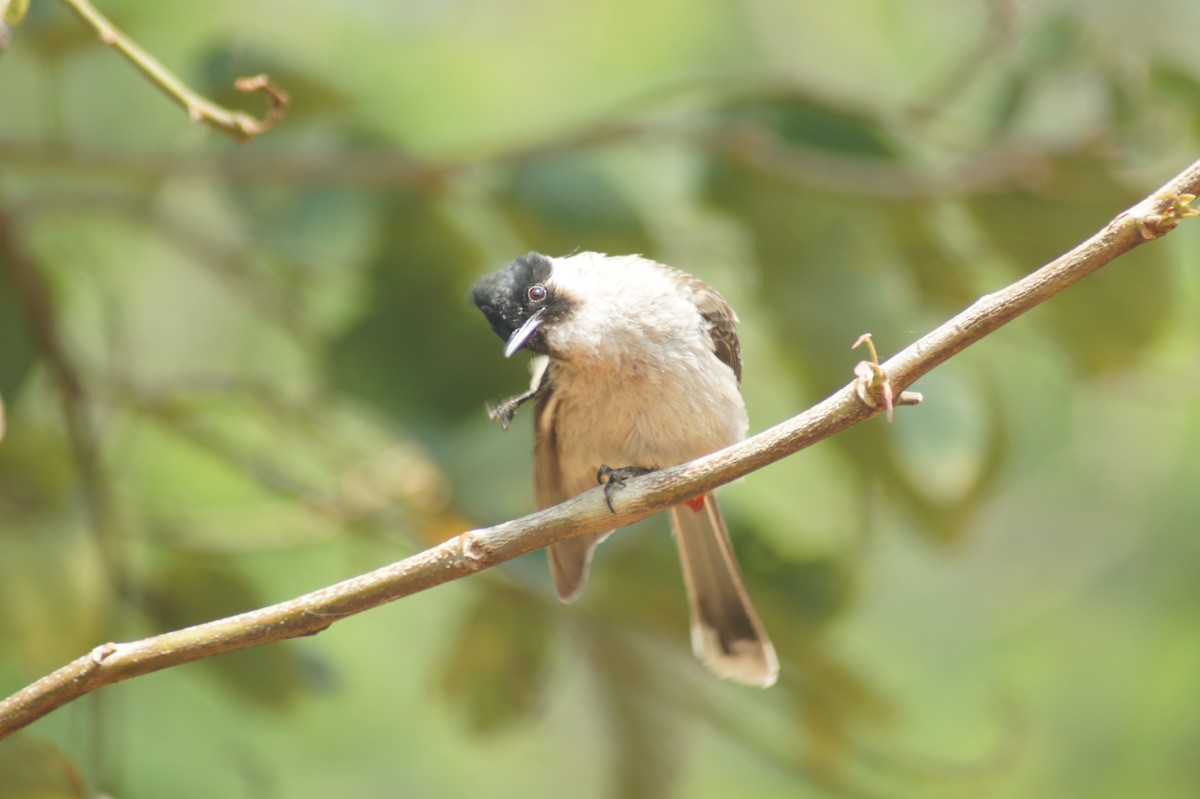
503	413
612	479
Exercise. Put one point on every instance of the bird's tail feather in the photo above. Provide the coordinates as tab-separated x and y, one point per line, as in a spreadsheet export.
727	636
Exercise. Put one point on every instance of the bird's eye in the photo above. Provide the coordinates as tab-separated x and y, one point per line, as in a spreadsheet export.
537	293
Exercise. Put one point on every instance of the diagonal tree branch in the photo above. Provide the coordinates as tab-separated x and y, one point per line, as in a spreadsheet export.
477	550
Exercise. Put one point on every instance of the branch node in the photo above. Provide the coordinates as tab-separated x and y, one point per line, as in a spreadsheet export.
103	652
874	385
1153	226
477	554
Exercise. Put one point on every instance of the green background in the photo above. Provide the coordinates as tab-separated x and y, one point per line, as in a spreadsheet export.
281	383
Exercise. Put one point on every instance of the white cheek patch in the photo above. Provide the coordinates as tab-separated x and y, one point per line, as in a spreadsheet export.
517	340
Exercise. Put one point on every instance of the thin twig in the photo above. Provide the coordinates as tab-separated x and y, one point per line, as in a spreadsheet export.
474	551
240	125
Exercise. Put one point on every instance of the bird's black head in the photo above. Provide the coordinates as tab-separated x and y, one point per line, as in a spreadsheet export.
516	301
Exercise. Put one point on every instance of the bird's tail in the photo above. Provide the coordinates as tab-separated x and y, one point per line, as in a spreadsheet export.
727	636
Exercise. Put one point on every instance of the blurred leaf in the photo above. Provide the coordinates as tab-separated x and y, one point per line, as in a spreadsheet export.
53	32
420	349
36	473
199	589
1054	42
54	600
1106	322
801	237
13	11
645	732
1008	102
944	463
1125	101
310	224
939	278
817	280
1051	46
562	205
3	422
35	769
496	669
808	594
833	704
1179	84
1177	80
799	118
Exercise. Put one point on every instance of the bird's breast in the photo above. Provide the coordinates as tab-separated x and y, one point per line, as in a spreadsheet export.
644	414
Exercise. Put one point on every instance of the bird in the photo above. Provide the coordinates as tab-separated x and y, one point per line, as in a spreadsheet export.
637	367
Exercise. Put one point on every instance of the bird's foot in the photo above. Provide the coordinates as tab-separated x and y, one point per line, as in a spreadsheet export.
612	479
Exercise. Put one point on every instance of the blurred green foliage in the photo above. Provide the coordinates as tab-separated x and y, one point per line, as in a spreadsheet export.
234	373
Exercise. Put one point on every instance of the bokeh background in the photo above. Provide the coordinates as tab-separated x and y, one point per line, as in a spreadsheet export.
236	373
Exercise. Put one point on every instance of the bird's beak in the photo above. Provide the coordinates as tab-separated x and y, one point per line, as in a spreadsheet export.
518	339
